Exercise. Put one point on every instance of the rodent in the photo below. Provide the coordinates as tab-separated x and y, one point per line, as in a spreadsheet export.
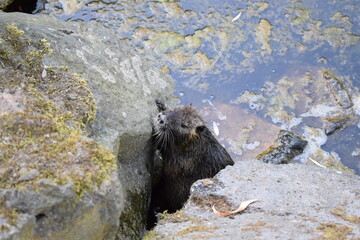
188	150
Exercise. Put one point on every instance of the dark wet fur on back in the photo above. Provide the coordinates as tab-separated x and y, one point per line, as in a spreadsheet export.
189	152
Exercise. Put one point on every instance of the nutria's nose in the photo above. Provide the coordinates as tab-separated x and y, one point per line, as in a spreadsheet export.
161	118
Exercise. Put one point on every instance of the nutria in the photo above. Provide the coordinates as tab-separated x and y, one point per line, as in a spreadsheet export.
188	150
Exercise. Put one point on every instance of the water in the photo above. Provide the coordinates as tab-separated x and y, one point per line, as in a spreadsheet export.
276	51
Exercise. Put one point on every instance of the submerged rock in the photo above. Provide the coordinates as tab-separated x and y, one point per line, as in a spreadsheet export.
333	124
294	200
317	104
287	146
338	90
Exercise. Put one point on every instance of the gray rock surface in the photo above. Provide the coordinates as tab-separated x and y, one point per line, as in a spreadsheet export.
295	202
124	87
55	212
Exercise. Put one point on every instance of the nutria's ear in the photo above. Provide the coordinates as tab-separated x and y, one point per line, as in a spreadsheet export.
200	129
160	105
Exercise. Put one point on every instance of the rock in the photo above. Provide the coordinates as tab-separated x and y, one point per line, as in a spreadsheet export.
5	3
295	202
123	87
28	174
338	90
56	183
287	146
333	124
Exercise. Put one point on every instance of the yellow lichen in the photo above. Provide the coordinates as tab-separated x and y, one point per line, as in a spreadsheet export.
10	215
257	226
14	31
153	235
4	228
339	212
334	231
177	217
197	228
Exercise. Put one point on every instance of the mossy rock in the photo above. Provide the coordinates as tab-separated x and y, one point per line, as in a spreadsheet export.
46	132
43	117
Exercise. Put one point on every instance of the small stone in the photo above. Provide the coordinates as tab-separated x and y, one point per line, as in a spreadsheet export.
323	60
333	124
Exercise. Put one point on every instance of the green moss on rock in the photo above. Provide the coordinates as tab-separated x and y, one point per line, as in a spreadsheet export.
176	217
42	127
134	204
9	214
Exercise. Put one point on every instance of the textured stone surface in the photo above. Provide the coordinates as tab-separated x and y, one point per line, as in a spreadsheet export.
295	202
124	87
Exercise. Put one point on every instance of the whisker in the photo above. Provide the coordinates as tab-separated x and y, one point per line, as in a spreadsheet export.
164	139
157	137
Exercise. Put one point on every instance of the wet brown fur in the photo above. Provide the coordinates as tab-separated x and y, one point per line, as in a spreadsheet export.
189	152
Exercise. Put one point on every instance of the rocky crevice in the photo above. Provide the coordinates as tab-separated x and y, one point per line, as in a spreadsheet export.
85	193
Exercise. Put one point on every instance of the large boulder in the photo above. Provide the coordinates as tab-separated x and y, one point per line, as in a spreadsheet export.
86	194
295	201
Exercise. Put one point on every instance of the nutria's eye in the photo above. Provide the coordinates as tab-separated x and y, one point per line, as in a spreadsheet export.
200	129
184	126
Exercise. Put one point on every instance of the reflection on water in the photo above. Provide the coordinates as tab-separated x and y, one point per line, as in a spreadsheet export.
263	71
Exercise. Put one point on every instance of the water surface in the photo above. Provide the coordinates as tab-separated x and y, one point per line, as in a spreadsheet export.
253	75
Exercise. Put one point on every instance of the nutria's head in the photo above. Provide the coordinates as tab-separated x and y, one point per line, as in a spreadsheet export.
178	126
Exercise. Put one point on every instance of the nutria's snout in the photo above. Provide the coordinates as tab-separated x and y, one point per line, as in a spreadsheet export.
161	119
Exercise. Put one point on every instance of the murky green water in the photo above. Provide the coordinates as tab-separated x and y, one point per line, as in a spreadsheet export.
253	67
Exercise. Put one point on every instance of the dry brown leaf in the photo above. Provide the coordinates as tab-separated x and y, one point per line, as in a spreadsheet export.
242	207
